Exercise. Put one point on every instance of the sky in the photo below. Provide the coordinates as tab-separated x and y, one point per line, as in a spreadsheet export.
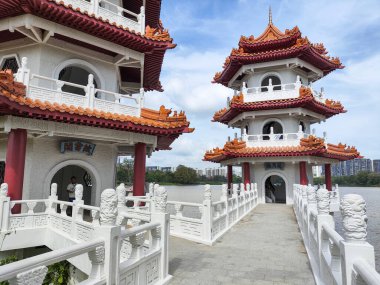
205	31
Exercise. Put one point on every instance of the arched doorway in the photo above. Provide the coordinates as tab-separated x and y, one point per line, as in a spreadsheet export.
277	129
63	178
275	189
275	81
77	75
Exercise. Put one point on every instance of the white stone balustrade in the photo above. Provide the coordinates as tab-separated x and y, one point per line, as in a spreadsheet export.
275	140
49	89
111	12
116	252
214	218
335	260
276	92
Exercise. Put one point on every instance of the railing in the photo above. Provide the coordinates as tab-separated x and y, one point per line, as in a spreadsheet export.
121	242
336	260
276	92
272	139
209	220
111	12
49	89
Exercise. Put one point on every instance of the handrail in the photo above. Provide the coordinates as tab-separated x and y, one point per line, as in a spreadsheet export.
367	272
185	203
332	234
58	81
120	8
11	270
138	229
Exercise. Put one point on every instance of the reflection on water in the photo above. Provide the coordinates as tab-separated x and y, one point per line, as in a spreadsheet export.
371	195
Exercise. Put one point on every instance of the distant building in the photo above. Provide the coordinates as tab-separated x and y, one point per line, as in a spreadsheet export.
168	169
352	167
317	170
200	172
212	172
152	168
376	165
159	168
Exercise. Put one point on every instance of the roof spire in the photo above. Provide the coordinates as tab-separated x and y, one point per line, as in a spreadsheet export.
270	15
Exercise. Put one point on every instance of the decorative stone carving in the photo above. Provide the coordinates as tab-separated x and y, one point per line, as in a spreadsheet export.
78	192
31	277
311	195
53	190
304	191
121	191
207	192
151	190
160	199
354	213
248	187
224	190
323	201
4	190
108	207
97	255
234	189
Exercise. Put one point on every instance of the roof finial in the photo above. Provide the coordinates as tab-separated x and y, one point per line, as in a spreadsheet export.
270	15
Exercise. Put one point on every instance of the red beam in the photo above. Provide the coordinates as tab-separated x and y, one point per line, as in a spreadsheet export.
139	170
328	176
303	173
15	164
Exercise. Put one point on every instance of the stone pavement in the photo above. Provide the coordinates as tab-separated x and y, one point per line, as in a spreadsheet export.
265	247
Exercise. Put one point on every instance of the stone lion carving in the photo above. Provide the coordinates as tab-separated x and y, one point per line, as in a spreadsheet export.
108	207
311	195
78	192
53	189
207	192
97	256
160	199
4	190
323	201
121	191
354	214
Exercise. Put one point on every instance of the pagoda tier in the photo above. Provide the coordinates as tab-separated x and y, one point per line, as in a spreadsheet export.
275	45
307	98
308	146
13	101
126	29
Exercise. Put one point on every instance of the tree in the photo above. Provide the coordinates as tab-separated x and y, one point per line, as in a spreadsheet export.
185	175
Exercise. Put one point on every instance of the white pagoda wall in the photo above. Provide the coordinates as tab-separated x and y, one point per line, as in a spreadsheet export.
290	173
44	159
286	76
44	60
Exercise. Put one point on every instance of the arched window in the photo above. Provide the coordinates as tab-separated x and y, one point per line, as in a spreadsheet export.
277	129
302	124
77	75
10	62
275	81
246	129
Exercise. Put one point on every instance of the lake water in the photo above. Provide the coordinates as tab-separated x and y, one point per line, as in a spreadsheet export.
371	195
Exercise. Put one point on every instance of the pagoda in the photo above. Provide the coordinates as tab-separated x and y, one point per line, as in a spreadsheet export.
72	88
275	106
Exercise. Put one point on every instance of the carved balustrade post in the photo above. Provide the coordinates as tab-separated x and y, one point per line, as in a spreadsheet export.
23	73
97	257
77	211
161	216
90	91
4	207
110	232
141	19
121	192
208	214
355	246
323	217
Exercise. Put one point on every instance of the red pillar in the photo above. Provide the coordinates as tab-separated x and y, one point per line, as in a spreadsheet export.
328	176
229	176
15	164
139	169
303	173
246	174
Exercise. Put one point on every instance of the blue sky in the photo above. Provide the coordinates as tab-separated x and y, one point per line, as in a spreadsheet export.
207	30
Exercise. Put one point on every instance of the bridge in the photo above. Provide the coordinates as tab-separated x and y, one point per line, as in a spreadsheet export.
237	239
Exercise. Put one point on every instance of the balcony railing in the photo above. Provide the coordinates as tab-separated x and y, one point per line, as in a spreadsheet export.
276	92
274	140
50	89
111	12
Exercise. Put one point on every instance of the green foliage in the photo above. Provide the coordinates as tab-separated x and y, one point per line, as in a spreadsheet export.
58	273
362	179
185	175
124	172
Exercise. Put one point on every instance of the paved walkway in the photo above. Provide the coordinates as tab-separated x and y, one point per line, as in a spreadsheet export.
264	248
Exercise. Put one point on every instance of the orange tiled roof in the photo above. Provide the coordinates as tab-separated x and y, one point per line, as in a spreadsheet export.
15	92
310	146
329	107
